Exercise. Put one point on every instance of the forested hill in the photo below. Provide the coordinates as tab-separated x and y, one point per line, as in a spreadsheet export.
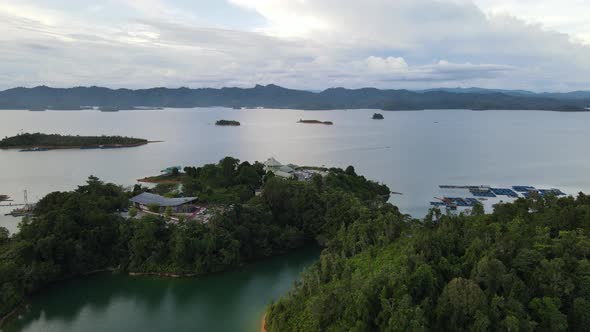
273	96
523	268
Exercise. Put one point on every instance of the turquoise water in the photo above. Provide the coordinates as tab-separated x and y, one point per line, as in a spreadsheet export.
231	301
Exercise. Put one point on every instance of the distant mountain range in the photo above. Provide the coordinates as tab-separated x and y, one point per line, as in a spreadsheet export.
556	95
273	96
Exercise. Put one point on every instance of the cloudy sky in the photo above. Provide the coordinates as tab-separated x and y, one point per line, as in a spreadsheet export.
541	45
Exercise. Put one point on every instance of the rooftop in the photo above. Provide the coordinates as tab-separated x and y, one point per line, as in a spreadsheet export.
272	162
149	198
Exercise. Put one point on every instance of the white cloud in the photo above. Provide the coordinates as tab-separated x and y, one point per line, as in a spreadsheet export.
297	43
385	65
569	17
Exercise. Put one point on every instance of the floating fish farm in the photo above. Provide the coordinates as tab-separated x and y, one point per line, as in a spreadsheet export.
504	192
487	195
523	189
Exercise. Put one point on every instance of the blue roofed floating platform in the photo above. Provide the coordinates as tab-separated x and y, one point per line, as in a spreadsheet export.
462	197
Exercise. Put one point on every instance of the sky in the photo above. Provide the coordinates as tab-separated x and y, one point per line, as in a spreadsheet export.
537	45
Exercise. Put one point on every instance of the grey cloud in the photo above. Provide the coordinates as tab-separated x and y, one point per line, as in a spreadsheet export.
477	49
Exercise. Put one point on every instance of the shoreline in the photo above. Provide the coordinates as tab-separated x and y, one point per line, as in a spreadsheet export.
116	270
163	274
9	316
263	323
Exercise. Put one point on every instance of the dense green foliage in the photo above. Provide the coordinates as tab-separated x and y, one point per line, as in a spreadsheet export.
38	139
77	232
524	267
74	233
227	182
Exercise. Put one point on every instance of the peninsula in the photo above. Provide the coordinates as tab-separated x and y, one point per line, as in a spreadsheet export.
43	142
250	211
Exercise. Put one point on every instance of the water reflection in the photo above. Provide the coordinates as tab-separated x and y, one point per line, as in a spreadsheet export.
231	301
412	152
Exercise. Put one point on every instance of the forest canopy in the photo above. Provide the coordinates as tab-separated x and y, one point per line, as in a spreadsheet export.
524	267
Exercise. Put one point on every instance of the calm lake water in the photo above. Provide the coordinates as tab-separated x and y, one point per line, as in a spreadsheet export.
231	301
411	152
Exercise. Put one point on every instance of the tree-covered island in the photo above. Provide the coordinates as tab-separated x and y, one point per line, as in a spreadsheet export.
57	141
315	122
227	123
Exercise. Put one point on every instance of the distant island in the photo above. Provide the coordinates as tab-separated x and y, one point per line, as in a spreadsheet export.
378	116
43	142
273	96
316	122
227	123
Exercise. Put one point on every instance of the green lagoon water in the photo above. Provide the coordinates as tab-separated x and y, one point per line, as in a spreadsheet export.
231	301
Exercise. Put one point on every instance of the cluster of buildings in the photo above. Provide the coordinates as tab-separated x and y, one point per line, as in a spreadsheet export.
288	171
149	203
276	167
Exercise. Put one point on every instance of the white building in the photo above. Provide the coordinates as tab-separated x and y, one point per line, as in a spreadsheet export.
274	166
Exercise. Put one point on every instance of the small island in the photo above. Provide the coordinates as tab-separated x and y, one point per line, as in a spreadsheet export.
44	142
315	122
378	116
227	123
